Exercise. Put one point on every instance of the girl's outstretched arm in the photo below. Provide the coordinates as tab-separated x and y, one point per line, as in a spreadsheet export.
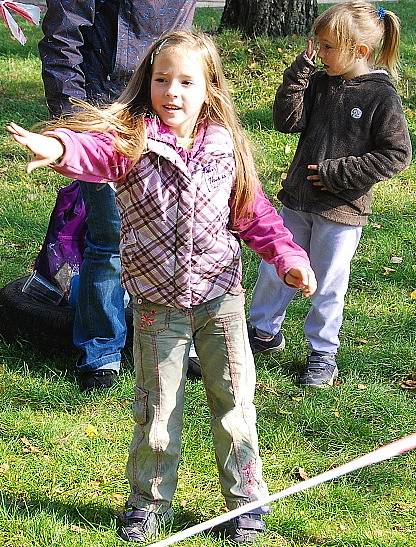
46	149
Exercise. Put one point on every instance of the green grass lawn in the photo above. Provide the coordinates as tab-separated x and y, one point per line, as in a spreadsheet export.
62	454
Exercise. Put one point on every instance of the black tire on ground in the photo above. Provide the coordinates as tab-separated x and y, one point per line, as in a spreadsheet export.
44	325
47	326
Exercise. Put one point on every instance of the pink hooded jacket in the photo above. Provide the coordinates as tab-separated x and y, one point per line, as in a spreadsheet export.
178	247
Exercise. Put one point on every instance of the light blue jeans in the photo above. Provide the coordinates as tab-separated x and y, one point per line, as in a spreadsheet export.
100	327
162	338
330	247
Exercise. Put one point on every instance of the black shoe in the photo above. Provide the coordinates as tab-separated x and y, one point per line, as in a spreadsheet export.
141	526
321	370
246	528
194	368
258	345
88	380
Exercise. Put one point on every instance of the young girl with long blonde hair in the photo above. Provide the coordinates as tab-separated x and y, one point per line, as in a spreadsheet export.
187	191
352	134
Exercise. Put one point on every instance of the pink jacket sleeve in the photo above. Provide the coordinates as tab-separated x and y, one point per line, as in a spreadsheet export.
89	156
265	233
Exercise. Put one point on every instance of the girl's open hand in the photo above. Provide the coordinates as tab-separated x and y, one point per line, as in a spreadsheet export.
303	279
310	51
46	150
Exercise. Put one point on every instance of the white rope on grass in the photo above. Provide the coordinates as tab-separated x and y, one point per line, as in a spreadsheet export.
396	448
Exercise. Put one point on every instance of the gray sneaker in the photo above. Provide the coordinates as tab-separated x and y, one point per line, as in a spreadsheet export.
246	528
141	526
321	370
259	345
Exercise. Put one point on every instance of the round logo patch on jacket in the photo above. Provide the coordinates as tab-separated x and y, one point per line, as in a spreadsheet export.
356	113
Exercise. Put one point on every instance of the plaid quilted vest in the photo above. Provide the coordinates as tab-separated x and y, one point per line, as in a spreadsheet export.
176	247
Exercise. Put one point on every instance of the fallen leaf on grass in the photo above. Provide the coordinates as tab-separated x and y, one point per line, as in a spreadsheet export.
4	467
264	387
296	398
409	383
284	412
76	528
402	507
183	503
63	440
387	270
396	259
362	341
28	447
361	386
118	497
413	295
288	149
376	225
301	474
90	431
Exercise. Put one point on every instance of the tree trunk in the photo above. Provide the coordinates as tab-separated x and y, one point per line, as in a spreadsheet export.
270	17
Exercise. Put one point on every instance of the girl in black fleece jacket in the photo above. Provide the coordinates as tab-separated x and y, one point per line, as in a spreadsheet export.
352	134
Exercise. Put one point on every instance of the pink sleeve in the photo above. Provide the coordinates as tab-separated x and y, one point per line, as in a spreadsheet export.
265	233
89	156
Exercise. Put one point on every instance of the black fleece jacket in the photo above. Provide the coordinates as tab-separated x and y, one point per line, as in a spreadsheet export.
354	130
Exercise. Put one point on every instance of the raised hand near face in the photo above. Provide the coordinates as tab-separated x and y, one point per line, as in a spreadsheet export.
46	149
310	51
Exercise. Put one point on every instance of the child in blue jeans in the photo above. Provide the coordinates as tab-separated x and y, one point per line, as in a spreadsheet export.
186	187
352	134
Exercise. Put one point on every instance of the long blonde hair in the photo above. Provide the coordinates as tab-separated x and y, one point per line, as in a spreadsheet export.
125	117
355	22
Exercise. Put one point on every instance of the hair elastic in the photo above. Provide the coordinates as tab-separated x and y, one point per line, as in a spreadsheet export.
381	12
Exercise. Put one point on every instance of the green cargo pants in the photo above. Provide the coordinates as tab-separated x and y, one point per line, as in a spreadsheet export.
162	338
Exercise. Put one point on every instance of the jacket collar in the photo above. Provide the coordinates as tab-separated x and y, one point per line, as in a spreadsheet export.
158	131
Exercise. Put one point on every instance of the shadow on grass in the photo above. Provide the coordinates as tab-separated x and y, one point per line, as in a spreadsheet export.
382	348
94	516
41	380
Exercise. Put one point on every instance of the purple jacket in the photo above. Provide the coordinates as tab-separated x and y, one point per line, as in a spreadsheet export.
177	245
91	47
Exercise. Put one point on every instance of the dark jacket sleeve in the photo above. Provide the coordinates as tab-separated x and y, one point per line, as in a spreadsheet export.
391	154
292	97
60	51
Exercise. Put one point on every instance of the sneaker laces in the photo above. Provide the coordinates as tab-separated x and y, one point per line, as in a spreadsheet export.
320	362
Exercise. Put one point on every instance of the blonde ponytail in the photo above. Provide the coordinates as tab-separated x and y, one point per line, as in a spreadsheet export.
388	55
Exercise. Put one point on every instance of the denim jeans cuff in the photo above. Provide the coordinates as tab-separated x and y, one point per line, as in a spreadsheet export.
113	365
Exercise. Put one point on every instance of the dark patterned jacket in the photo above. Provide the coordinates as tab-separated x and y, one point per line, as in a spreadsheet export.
91	47
354	130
